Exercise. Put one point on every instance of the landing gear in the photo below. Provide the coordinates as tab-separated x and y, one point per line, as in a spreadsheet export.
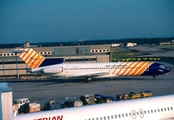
88	79
154	77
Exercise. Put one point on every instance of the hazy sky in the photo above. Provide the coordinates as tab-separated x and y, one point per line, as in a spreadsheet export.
72	20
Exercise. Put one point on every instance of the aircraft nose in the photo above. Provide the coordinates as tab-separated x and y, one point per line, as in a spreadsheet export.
167	69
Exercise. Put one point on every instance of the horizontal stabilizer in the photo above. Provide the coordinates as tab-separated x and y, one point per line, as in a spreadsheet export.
19	50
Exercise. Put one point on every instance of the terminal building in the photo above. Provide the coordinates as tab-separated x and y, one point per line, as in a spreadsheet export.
13	67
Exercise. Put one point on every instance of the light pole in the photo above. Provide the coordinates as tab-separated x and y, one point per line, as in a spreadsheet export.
102	34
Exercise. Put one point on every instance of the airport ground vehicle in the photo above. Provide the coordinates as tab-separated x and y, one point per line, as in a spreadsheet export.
21	101
133	95
146	94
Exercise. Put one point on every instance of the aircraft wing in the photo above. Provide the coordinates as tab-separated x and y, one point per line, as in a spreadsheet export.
92	74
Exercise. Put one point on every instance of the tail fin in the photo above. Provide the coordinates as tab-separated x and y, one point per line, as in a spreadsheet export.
35	60
31	58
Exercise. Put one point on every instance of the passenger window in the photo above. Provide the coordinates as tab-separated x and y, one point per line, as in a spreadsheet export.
126	115
112	117
108	118
171	108
164	109
144	112
158	110
133	113
151	111
148	111
137	113
96	118
161	110
100	118
122	115
104	118
129	114
168	108
141	112
115	116
155	110
119	116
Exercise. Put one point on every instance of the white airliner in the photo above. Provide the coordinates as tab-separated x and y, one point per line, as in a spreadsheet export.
55	67
154	108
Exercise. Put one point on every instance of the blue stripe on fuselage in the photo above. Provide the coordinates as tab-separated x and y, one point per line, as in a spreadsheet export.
51	61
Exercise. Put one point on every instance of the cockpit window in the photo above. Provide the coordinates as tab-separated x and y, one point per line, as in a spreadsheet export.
162	66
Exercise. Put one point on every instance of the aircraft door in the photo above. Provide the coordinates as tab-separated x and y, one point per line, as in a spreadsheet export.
134	116
141	113
147	68
67	69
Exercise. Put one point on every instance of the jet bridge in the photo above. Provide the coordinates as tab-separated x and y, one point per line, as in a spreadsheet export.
6	112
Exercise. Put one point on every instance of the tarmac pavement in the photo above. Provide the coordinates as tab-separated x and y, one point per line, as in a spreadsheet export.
41	91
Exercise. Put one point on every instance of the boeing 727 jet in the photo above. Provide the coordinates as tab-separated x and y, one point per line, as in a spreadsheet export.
55	67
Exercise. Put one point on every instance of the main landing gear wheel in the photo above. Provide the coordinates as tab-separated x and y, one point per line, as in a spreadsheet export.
88	79
154	77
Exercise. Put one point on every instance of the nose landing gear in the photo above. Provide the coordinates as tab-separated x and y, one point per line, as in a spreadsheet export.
154	77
